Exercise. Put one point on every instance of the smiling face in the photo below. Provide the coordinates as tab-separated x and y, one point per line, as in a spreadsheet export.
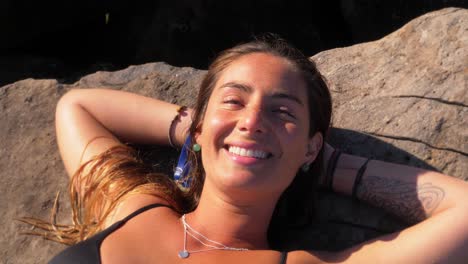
255	131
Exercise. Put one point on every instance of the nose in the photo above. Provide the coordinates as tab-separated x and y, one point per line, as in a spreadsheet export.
252	121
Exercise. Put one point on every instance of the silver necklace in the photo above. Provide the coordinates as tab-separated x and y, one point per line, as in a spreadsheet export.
185	253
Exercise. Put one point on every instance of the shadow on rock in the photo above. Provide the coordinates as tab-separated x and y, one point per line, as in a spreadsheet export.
357	143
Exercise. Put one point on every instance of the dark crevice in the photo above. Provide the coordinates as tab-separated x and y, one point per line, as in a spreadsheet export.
434	99
416	141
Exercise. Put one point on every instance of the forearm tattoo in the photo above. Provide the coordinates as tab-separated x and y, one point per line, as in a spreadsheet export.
409	201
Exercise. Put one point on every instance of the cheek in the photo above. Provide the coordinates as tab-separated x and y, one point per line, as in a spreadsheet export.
213	126
295	139
215	122
292	133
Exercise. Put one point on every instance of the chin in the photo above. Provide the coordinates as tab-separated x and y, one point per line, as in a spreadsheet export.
245	181
238	179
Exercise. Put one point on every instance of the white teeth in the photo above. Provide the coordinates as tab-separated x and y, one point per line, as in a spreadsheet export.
243	152
247	152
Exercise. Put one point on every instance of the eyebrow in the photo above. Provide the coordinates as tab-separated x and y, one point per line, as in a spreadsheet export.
240	86
249	89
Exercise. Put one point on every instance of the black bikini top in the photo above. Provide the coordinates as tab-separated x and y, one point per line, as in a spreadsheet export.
88	251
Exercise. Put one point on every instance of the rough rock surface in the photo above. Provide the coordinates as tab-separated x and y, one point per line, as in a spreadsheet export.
402	98
409	90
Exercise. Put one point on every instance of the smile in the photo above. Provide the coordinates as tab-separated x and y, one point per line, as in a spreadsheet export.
251	153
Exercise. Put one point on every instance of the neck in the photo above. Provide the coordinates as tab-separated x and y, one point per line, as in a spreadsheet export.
232	222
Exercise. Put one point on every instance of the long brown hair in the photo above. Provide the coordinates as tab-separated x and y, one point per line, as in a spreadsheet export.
101	183
98	186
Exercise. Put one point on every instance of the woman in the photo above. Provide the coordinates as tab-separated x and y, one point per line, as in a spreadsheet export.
257	134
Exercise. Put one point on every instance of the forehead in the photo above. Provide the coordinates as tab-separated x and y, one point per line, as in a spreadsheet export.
264	72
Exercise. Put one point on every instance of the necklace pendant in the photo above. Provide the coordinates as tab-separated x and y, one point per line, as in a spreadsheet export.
183	254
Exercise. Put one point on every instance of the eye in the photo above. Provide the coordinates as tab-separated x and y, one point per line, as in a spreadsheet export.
284	112
232	102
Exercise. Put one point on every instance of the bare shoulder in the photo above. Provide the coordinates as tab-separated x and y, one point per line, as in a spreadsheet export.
132	204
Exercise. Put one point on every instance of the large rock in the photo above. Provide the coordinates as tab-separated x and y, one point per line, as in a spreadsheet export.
409	90
402	99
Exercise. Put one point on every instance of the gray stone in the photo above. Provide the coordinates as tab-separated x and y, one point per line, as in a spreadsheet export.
408	90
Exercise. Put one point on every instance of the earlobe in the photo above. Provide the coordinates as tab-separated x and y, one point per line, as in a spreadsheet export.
197	136
196	141
313	147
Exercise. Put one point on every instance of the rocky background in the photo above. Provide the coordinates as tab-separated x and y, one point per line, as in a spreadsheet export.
402	98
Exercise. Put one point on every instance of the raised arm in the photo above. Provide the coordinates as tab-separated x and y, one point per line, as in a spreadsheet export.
90	121
437	204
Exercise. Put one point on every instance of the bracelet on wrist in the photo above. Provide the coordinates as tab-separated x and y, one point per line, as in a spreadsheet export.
358	178
176	118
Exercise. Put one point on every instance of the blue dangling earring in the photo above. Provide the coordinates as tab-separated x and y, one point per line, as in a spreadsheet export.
305	167
183	167
196	147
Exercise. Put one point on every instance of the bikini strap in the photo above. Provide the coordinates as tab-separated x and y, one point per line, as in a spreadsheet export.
284	256
141	210
98	238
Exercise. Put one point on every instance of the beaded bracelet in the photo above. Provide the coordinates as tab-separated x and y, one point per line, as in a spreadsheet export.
177	118
331	169
358	178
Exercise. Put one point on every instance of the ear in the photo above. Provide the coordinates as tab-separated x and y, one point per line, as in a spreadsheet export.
198	135
313	147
